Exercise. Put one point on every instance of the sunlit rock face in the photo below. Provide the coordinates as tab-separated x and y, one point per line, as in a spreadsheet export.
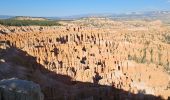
15	89
129	55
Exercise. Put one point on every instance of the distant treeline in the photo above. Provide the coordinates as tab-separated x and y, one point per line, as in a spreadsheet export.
13	22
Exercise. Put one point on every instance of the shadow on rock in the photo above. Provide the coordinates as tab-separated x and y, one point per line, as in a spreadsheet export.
54	86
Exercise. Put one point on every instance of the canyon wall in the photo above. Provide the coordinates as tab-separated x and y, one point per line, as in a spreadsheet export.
133	56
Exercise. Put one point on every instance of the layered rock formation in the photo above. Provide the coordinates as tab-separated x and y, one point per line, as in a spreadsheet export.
129	55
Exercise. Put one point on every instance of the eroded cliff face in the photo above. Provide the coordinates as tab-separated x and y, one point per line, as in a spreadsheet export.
129	55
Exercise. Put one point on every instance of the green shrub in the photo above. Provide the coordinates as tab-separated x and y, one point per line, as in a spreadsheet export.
151	53
167	67
167	38
143	60
12	22
168	87
138	59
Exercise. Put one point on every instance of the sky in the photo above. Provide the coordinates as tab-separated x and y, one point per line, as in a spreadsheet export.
54	8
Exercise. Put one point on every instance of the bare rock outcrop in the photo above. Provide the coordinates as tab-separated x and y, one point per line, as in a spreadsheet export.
15	89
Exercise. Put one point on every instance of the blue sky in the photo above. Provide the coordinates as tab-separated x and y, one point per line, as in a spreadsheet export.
78	7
